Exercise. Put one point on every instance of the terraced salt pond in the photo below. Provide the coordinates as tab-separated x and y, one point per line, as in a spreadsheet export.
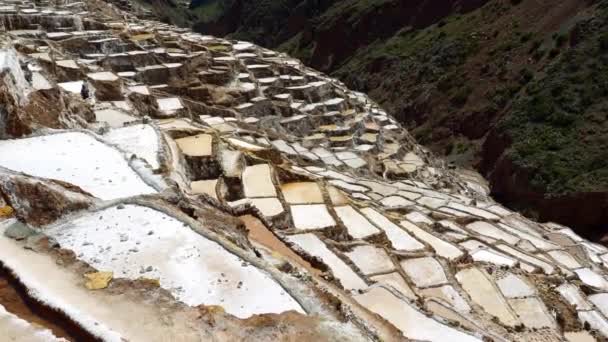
413	323
356	224
398	237
302	193
483	292
257	181
140	140
196	146
137	241
113	117
76	158
313	246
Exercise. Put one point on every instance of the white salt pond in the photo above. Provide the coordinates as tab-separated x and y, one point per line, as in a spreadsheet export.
110	318
169	105
196	146
257	181
513	286
313	216
113	117
140	140
137	241
302	193
356	224
448	294
312	245
75	158
269	207
483	292
72	87
395	281
411	322
442	247
532	312
398	237
424	272
370	259
205	187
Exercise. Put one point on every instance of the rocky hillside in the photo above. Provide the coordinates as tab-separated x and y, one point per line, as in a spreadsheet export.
514	88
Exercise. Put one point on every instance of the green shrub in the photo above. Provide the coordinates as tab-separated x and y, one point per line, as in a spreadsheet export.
526	75
539	108
604	42
461	96
535	45
526	37
561	39
553	53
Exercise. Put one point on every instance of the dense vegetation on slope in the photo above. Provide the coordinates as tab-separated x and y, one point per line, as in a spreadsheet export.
266	22
549	151
559	124
516	88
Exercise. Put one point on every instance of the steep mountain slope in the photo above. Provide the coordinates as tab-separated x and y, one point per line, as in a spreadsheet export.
458	72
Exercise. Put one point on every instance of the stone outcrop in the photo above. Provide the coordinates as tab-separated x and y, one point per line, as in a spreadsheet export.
44	108
40	202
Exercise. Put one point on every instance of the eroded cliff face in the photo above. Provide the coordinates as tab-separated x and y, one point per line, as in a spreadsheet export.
224	191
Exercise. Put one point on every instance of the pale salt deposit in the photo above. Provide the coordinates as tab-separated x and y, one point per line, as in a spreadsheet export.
412	323
137	241
302	193
169	105
113	117
574	296
111	319
532	312
257	181
140	140
103	76
357	225
208	187
75	158
592	278
269	207
492	231
424	272
312	245
449	295
370	259
443	248
483	292
196	146
314	216
399	238
35	271
513	286
600	300
395	281
72	87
